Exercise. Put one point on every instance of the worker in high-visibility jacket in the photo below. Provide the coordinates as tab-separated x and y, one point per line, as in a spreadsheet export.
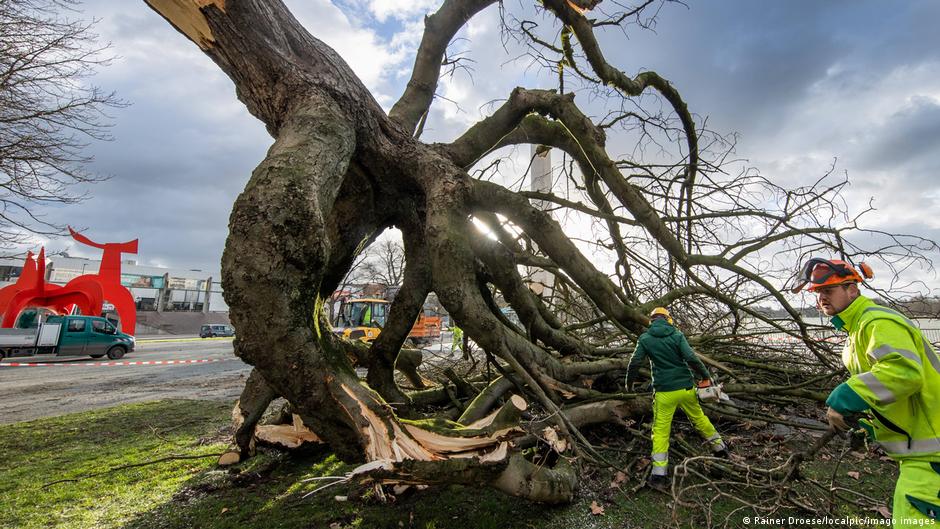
895	380
674	387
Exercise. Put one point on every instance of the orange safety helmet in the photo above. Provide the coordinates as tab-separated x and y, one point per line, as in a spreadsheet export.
661	311
819	273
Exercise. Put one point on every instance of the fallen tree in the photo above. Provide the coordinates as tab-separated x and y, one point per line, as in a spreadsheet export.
341	170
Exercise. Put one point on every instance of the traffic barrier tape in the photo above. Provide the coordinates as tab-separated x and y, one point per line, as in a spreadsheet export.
114	363
191	339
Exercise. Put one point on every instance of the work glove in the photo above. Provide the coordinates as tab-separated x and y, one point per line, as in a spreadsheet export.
850	422
705	383
836	420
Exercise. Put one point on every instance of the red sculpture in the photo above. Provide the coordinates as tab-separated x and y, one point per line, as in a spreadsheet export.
86	292
26	280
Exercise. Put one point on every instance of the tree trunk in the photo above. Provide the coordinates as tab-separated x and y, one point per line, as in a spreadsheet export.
338	173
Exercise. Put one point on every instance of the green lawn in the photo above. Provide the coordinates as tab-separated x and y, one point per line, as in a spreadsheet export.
267	491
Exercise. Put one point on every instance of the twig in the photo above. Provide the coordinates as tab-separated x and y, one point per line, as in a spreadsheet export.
802	456
832	479
124	467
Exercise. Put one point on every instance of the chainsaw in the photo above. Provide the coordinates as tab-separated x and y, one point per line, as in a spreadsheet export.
708	392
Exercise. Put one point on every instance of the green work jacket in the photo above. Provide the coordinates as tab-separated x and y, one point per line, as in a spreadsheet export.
895	377
671	355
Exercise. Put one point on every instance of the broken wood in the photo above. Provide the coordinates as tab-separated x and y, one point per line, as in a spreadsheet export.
286	435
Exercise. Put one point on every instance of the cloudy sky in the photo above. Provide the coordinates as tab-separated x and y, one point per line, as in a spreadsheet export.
803	83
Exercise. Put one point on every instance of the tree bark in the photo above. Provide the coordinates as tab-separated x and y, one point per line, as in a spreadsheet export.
335	155
340	171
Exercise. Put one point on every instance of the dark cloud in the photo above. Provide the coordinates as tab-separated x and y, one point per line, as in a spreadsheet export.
911	138
770	70
746	64
742	63
181	152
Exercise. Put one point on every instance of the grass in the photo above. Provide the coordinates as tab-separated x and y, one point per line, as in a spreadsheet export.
38	452
267	491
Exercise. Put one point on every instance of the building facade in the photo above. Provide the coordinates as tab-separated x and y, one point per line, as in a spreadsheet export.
153	288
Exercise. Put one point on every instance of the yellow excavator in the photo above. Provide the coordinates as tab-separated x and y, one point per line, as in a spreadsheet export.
363	319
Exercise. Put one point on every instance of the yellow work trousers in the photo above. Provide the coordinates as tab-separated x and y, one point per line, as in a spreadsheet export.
664	407
917	495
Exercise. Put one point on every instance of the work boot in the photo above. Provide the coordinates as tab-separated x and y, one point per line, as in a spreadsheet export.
660	483
723	453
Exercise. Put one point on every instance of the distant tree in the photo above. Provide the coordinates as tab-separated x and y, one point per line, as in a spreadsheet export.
385	263
48	112
923	306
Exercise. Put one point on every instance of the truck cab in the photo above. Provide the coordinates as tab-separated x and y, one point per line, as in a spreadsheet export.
361	319
91	335
71	335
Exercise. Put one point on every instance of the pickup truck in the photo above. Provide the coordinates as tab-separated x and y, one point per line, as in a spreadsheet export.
67	336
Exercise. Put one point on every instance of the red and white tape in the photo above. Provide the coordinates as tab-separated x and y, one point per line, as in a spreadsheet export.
112	364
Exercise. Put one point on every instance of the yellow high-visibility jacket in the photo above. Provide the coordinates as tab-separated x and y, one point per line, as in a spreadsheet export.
895	376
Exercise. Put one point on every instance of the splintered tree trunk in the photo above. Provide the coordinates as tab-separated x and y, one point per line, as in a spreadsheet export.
338	173
341	170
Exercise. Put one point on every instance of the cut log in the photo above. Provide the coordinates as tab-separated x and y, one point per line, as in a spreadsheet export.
509	413
487	398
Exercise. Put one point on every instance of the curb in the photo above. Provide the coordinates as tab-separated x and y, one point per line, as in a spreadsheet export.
115	364
169	340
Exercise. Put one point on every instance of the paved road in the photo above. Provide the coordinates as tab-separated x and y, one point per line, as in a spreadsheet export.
72	384
200	369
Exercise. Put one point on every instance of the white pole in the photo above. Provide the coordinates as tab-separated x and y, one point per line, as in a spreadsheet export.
541	281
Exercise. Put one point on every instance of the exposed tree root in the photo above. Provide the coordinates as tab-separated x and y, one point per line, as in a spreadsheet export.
678	228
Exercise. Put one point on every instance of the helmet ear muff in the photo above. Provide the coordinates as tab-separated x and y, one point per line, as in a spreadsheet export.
818	272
